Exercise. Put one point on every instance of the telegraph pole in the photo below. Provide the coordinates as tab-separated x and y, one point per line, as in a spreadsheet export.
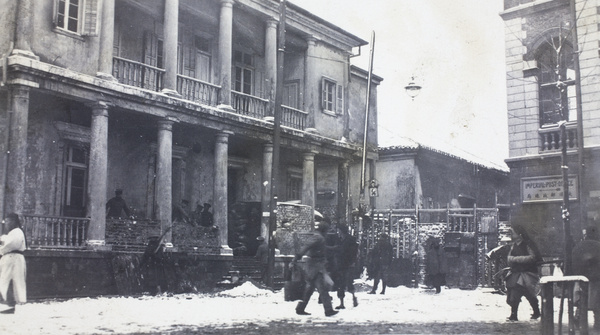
276	142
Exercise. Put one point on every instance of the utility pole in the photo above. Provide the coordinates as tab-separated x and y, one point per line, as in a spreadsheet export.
366	130
580	162
276	142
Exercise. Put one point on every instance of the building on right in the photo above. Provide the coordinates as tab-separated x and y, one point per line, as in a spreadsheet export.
553	79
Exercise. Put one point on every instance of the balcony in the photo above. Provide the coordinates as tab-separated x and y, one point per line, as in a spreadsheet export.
293	118
141	75
198	91
249	105
551	140
137	74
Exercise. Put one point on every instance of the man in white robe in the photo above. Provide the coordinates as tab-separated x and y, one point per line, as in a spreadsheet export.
12	264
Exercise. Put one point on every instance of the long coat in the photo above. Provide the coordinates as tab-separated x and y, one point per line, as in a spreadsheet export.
523	260
315	250
12	265
436	262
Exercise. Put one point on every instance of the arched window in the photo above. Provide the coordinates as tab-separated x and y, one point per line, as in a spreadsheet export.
557	81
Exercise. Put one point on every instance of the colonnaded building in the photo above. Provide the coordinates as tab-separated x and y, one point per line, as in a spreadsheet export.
170	100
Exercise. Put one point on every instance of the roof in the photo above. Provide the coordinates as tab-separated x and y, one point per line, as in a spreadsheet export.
409	145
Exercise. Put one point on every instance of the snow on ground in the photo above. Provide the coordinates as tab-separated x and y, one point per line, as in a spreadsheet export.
249	303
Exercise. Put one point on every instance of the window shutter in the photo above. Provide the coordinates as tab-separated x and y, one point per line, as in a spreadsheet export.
323	94
259	85
339	103
90	26
150	48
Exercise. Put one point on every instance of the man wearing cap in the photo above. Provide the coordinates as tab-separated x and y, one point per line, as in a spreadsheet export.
315	270
116	205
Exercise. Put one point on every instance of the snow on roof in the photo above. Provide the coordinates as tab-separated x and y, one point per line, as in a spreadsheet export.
450	151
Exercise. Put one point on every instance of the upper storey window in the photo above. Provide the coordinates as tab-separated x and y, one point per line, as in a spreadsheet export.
68	15
244	71
77	16
556	80
332	96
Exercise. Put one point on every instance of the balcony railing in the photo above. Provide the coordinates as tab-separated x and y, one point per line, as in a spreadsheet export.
137	74
196	90
293	118
551	141
249	105
55	232
141	75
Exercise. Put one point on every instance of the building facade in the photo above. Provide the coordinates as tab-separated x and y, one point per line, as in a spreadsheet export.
417	176
172	100
552	80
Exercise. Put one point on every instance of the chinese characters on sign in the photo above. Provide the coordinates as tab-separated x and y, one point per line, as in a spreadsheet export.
550	188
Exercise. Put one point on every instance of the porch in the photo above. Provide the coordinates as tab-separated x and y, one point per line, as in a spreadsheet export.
70	233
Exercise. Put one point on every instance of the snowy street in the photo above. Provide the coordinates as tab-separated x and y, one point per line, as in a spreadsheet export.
248	309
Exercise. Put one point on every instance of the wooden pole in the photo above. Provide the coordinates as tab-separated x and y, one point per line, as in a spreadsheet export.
276	142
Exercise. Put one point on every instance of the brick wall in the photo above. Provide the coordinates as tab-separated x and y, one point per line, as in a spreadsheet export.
292	222
202	240
130	235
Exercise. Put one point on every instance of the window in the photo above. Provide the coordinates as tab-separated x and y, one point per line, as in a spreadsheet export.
294	188
68	15
194	58
290	94
244	70
556	80
77	16
332	96
75	182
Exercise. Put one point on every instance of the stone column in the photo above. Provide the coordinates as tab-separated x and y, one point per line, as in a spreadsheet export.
342	193
24	29
164	173
308	179
220	189
171	28
98	172
225	51
311	84
266	189
107	36
16	149
271	59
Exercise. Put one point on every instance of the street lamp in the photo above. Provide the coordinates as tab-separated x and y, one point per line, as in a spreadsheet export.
412	89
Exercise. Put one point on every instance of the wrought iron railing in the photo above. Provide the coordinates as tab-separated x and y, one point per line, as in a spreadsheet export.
551	140
137	74
55	232
249	105
198	91
293	118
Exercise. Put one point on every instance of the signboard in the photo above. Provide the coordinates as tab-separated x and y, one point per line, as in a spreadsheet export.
547	189
374	188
